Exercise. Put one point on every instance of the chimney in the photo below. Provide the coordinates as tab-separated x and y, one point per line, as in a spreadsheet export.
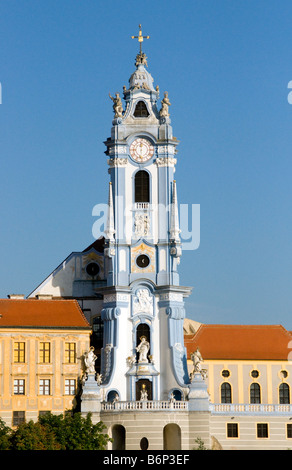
44	296
16	296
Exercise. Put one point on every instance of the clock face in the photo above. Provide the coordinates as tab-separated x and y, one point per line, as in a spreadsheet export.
143	261
141	150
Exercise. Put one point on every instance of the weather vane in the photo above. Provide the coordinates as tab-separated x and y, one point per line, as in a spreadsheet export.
140	37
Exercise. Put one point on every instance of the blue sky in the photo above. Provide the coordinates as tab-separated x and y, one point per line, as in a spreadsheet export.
226	66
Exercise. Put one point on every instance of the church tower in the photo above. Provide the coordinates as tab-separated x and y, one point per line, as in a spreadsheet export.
143	311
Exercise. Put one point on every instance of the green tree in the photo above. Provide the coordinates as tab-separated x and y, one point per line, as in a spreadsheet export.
81	434
5	433
74	432
33	436
55	432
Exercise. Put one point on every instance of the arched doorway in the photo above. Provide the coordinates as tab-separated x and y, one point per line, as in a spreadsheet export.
119	437
144	443
171	437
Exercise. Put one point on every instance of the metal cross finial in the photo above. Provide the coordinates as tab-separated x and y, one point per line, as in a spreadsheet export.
140	38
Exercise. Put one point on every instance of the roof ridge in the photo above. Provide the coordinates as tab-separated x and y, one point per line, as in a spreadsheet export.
249	325
81	311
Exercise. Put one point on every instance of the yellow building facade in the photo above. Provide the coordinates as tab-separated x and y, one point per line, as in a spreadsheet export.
42	344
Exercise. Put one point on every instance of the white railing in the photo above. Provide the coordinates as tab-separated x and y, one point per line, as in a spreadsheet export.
249	408
144	406
142	205
215	408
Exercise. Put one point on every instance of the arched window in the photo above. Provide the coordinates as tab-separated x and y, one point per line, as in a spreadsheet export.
255	393
141	110
112	396
142	190
284	394
226	393
177	395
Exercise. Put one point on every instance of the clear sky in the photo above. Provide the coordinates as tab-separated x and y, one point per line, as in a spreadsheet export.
226	66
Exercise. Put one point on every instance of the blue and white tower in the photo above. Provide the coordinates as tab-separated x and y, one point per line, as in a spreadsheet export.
143	303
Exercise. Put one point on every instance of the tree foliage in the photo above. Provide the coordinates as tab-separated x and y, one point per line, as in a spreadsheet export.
200	444
55	432
5	433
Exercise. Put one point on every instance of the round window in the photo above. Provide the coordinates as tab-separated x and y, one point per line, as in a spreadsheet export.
92	269
255	373
225	373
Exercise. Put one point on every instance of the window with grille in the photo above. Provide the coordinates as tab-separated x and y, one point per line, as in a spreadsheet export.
226	393
45	387
232	429
262	430
44	412
141	110
255	393
70	353
19	352
142	190
45	352
70	387
97	327
18	417
18	387
284	394
289	430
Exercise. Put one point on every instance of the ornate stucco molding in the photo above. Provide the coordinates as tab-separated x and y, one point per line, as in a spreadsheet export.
165	161
118	149
117	162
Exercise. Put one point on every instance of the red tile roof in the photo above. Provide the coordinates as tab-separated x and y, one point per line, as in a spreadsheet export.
41	313
240	342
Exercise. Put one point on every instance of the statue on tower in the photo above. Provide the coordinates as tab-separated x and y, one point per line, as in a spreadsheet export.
89	361
143	349
141	58
117	106
197	359
144	394
165	103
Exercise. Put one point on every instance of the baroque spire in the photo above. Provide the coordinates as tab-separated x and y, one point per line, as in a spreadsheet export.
110	226
174	222
141	57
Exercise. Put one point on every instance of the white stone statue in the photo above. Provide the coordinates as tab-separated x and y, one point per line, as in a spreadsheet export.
165	103
172	398
197	359
117	106
144	394
116	399
143	349
89	361
98	379
131	360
